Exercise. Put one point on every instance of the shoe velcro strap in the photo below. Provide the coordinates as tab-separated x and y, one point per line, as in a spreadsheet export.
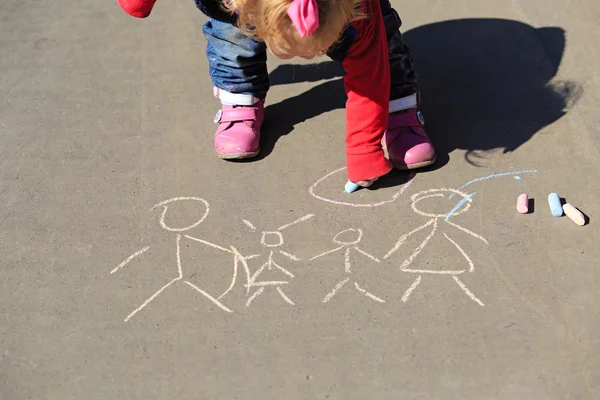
410	118
238	114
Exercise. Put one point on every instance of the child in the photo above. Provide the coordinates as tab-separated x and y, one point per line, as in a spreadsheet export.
363	35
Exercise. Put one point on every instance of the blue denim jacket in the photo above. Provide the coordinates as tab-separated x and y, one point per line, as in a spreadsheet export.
213	9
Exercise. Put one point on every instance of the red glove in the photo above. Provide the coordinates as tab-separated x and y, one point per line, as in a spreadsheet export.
137	8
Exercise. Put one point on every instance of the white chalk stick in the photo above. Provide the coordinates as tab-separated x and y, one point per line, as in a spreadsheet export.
574	214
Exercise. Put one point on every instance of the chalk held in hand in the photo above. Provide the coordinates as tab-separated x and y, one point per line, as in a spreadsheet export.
555	205
523	204
575	215
351	187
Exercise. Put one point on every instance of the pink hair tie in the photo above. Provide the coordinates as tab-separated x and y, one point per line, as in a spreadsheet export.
305	16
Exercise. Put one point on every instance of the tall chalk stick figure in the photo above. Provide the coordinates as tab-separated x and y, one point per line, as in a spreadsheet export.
410	265
204	207
348	245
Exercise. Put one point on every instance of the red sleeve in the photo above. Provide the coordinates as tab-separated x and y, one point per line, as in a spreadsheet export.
137	8
367	84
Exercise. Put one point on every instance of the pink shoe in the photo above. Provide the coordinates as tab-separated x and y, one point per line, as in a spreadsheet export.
238	134
408	146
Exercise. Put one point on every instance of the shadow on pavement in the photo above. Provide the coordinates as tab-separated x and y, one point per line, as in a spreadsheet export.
486	84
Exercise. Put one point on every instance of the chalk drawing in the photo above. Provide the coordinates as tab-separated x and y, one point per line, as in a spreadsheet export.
258	280
347	246
433	223
271	240
497	175
130	258
395	196
458	206
179	277
165	206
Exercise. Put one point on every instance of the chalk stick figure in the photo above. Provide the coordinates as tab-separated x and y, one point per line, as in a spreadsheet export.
434	224
348	244
270	240
204	206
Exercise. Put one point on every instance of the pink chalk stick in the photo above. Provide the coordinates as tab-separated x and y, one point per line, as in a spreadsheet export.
523	204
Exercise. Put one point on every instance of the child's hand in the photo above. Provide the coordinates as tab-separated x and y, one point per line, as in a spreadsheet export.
354	186
366	183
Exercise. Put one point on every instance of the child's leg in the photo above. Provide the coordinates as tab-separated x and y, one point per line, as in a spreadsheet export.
407	143
238	69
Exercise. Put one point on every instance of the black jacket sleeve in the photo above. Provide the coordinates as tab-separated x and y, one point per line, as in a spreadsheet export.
213	9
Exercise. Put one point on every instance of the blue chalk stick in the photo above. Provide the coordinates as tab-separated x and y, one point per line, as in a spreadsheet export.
555	205
351	187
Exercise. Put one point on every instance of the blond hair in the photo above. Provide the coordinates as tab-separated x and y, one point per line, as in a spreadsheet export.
267	20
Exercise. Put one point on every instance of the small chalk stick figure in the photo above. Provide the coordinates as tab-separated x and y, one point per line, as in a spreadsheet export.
434	225
349	244
216	299
271	240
